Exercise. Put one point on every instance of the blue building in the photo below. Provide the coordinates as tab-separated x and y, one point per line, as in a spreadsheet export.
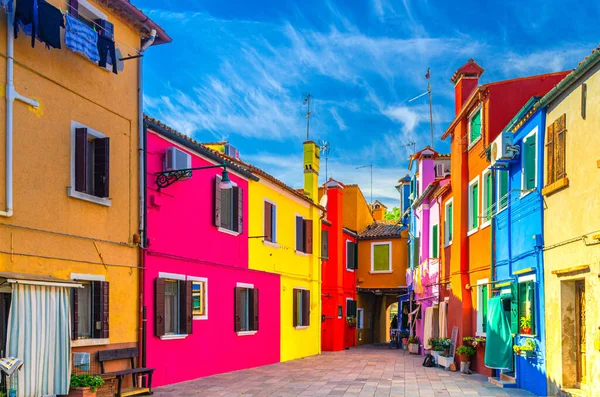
517	235
407	187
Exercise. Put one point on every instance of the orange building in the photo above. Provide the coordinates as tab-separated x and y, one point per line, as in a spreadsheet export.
481	113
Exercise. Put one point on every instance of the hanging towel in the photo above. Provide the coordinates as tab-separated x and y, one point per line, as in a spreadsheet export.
82	39
51	20
443	320
9	365
81	361
428	327
498	344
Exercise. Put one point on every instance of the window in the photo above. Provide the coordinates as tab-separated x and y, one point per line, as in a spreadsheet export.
360	318
529	162
304	233
350	308
199	297
475	127
90	311
482	301
229	208
381	257
351	255
434	242
174	306
502	189
474	205
583	100
246	308
340	311
448	222
270	226
90	159
487	198
301	307
526	299
324	244
556	150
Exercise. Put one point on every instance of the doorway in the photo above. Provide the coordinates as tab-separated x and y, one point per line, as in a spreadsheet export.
580	328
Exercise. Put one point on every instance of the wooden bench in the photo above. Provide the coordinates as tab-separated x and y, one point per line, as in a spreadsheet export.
122	354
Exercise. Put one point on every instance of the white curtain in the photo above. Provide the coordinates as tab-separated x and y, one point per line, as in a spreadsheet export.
428	327
39	333
443	320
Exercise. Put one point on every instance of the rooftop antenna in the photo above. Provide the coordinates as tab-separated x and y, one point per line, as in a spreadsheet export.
325	148
370	166
428	92
307	103
409	144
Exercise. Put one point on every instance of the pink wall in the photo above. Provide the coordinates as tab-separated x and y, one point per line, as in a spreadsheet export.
183	240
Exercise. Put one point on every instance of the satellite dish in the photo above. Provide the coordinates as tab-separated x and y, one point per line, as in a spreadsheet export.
323	201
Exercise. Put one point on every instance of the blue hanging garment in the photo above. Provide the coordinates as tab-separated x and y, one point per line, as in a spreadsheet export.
82	39
26	16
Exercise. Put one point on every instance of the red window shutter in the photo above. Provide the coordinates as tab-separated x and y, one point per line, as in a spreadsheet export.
254	309
101	167
159	309
74	315
217	201
550	154
268	221
238	209
81	159
308	236
295	312
306	308
238	309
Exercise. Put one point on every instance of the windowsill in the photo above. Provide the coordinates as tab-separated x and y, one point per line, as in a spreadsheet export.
448	244
301	327
472	231
501	209
88	197
270	244
480	334
300	253
527	335
350	270
173	336
90	342
474	143
380	271
485	224
246	333
555	186
527	192
227	231
205	317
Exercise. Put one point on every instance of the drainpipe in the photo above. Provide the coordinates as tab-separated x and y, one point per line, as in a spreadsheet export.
11	95
142	195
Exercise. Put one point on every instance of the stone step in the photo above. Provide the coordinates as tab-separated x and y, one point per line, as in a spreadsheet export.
505	384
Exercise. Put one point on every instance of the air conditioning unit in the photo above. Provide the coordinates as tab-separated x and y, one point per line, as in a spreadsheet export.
177	159
231	151
439	170
502	148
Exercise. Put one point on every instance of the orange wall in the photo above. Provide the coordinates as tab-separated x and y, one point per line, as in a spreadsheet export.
364	278
356	210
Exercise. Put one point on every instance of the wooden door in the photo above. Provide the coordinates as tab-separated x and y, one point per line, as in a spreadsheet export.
581	329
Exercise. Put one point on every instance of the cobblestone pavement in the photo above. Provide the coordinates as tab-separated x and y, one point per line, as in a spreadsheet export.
363	371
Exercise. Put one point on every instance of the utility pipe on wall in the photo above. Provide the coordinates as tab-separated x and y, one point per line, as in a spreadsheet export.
11	95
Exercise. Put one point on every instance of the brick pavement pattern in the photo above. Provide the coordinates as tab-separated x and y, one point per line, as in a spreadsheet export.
362	372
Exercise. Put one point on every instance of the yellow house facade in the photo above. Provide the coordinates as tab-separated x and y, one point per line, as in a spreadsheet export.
69	193
571	232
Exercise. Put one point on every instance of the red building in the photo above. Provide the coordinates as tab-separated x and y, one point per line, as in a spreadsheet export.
338	296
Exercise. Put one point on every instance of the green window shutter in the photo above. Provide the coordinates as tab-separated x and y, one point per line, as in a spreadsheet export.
434	231
474	206
381	258
503	190
451	220
484	300
416	252
488	194
476	126
514	308
530	149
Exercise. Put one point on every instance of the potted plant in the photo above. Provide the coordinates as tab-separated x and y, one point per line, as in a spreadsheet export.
469	341
527	349
480	341
465	353
413	345
351	321
404	337
445	344
85	385
525	325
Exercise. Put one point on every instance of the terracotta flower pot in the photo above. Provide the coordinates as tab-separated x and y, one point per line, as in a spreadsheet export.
81	392
464	358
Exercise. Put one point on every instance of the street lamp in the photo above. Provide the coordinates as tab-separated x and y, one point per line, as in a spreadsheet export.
167	178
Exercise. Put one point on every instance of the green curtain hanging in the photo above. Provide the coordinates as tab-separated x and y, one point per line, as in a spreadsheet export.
498	345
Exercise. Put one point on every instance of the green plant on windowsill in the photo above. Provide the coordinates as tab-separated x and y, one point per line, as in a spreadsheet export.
525	325
480	341
87	380
527	349
2	394
468	340
351	321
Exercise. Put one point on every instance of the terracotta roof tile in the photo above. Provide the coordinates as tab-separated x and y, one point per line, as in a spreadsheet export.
382	229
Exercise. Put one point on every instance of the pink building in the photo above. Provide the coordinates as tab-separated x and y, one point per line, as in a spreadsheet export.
207	313
433	175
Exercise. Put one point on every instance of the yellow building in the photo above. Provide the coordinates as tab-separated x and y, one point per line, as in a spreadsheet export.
571	231
69	194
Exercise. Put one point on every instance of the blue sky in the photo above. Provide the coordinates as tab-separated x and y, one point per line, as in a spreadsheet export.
238	70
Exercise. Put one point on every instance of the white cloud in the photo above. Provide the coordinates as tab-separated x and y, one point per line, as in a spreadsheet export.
543	61
338	119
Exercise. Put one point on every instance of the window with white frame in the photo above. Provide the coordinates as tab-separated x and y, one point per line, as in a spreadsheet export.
482	301
246	308
301	302
475	126
502	189
381	257
529	162
474	204
360	318
199	297
435	241
174	306
448	221
486	197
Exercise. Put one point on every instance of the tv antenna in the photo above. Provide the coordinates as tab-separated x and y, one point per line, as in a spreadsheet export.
428	92
409	144
306	102
325	149
369	166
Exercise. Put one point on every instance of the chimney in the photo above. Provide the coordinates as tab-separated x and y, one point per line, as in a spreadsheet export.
466	80
378	211
311	170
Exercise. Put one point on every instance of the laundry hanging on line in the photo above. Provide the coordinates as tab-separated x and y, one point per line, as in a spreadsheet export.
40	20
82	39
106	49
